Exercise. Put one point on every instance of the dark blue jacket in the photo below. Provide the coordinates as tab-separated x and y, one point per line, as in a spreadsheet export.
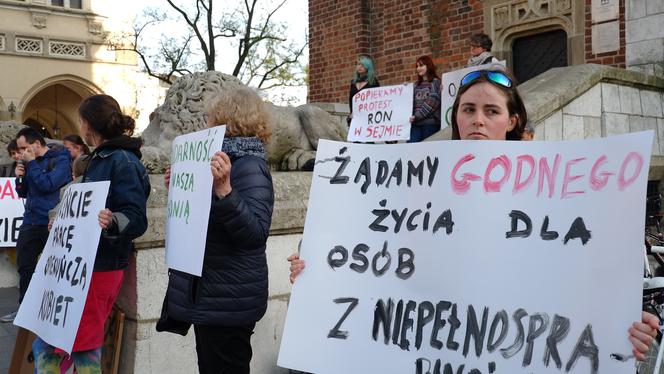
233	288
40	186
118	161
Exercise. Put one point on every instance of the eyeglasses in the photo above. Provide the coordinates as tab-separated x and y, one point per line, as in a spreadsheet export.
497	77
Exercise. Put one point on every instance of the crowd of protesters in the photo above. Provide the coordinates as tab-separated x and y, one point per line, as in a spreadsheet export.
235	265
230	296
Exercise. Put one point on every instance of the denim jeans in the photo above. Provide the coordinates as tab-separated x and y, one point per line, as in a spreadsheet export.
421	132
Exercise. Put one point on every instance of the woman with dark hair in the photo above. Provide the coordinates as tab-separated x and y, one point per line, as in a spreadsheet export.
116	158
363	78
230	296
489	107
75	145
505	116
426	101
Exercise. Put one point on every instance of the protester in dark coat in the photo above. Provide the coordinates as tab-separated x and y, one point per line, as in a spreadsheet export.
225	303
116	159
363	78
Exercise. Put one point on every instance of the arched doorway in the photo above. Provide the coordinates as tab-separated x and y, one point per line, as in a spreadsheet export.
51	106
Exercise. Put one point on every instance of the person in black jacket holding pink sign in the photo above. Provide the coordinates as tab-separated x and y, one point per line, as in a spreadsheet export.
363	78
225	303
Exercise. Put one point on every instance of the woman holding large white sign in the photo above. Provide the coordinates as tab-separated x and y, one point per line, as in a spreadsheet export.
488	107
225	303
115	159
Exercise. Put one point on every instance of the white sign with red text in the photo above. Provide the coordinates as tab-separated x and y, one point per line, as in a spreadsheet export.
11	212
471	257
382	114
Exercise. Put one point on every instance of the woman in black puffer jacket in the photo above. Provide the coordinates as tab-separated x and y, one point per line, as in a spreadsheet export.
225	303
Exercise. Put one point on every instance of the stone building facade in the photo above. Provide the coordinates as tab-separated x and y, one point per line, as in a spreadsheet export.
54	53
532	36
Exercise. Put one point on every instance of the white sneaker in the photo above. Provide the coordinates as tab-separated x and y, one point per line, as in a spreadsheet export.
9	317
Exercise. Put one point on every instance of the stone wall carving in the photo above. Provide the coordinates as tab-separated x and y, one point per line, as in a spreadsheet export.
519	12
295	131
511	19
39	20
66	49
29	45
95	27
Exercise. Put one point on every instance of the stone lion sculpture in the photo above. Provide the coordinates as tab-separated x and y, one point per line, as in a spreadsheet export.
295	130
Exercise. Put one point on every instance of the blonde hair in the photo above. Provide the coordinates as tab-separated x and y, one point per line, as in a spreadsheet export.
242	111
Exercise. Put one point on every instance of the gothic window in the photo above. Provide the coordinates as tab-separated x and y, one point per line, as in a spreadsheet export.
535	54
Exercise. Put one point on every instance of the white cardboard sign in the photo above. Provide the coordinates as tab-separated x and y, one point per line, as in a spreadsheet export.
382	114
53	304
451	82
471	257
11	212
189	198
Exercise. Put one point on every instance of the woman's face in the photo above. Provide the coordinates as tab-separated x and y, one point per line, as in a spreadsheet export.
361	70
476	49
421	69
74	149
483	114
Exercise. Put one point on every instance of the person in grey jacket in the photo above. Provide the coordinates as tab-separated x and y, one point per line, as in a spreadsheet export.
225	303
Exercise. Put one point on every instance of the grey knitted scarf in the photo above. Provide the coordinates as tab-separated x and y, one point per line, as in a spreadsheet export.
236	147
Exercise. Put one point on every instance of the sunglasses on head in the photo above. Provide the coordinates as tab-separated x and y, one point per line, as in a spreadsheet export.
494	76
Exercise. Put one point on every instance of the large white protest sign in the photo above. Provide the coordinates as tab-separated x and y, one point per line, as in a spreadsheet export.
189	198
382	114
471	257
11	213
53	305
451	82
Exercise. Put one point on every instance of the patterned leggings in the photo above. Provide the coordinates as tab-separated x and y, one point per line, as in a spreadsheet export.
48	361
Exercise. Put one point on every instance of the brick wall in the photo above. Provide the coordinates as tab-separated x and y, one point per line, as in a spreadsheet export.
615	58
338	31
396	32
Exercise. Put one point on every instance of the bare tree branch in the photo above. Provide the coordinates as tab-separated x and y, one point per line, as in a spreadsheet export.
284	62
264	56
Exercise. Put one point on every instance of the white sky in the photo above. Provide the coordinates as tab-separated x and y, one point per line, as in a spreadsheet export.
294	14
